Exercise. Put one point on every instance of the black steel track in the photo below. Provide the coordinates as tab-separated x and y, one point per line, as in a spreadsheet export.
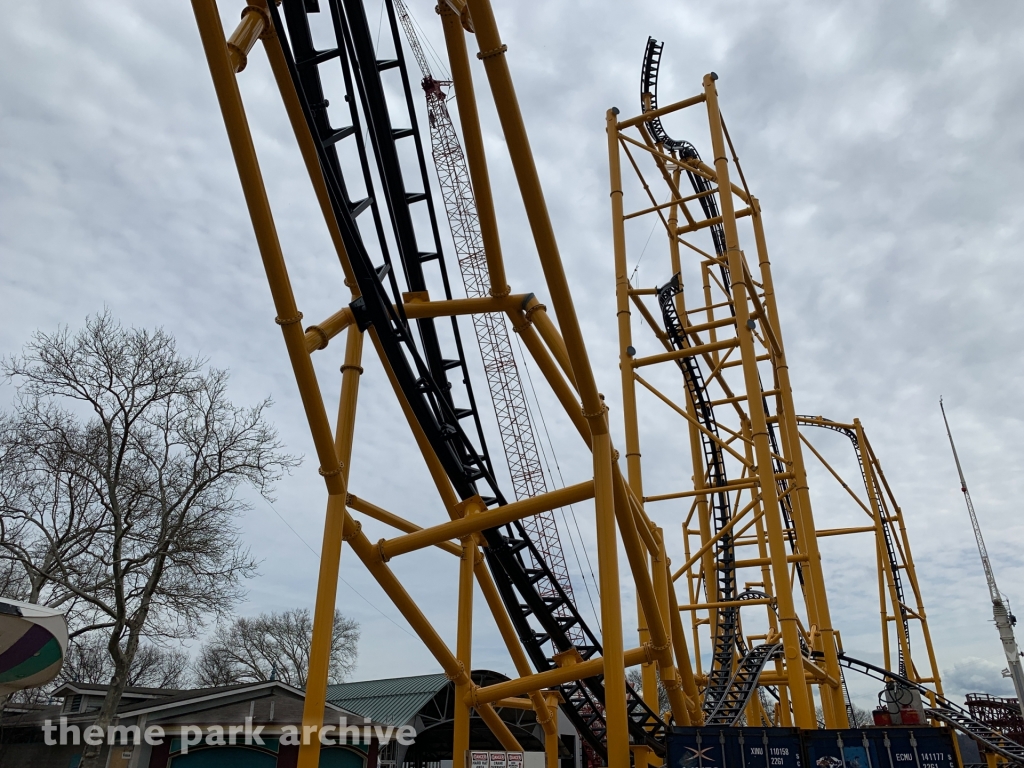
726	694
416	352
649	85
890	548
742	685
709	206
722	683
946	711
727	626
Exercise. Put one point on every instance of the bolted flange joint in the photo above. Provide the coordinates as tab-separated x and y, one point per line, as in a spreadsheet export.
356	527
493	52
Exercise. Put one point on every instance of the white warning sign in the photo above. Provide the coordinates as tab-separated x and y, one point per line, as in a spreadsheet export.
514	759
498	760
477	759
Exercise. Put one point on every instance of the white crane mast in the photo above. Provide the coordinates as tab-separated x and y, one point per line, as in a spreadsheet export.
1004	620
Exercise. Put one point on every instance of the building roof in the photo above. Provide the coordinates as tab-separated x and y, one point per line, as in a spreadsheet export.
394	701
94	689
220	702
203	695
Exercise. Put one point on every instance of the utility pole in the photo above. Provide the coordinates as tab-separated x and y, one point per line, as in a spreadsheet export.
1004	619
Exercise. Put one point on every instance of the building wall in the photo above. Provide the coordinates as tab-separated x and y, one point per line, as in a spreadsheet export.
39	755
272	755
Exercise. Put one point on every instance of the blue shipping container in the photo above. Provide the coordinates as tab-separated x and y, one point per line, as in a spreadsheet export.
894	747
716	747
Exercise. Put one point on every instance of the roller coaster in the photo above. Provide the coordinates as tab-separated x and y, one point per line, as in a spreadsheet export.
358	134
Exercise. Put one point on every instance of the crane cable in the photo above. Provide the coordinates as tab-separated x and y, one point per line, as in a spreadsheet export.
572	509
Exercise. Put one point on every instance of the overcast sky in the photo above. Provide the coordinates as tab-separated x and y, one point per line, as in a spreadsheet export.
883	140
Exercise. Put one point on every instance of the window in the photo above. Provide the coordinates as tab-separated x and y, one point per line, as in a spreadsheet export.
73	703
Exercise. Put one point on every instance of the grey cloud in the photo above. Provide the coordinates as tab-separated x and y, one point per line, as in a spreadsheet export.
971	675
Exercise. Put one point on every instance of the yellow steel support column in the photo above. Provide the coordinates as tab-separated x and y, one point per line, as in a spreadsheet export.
661	578
551	739
611	608
696	714
785	713
492	52
323	626
464	649
691	715
703	511
754	711
476	159
351	372
818	610
803	708
673	239
692	593
651	617
661	644
880	555
547	712
648	681
629	414
908	560
289	318
330	558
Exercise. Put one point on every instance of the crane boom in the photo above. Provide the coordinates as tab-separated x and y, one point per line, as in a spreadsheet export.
1003	618
414	41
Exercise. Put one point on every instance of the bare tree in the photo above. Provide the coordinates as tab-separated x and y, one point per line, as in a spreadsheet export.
157	667
13	582
636	679
121	464
862	718
858	717
88	661
768	705
274	646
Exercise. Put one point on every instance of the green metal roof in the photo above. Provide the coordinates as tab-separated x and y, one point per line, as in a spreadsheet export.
394	701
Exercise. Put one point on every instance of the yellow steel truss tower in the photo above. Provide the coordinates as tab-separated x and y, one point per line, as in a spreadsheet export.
749	535
746	458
